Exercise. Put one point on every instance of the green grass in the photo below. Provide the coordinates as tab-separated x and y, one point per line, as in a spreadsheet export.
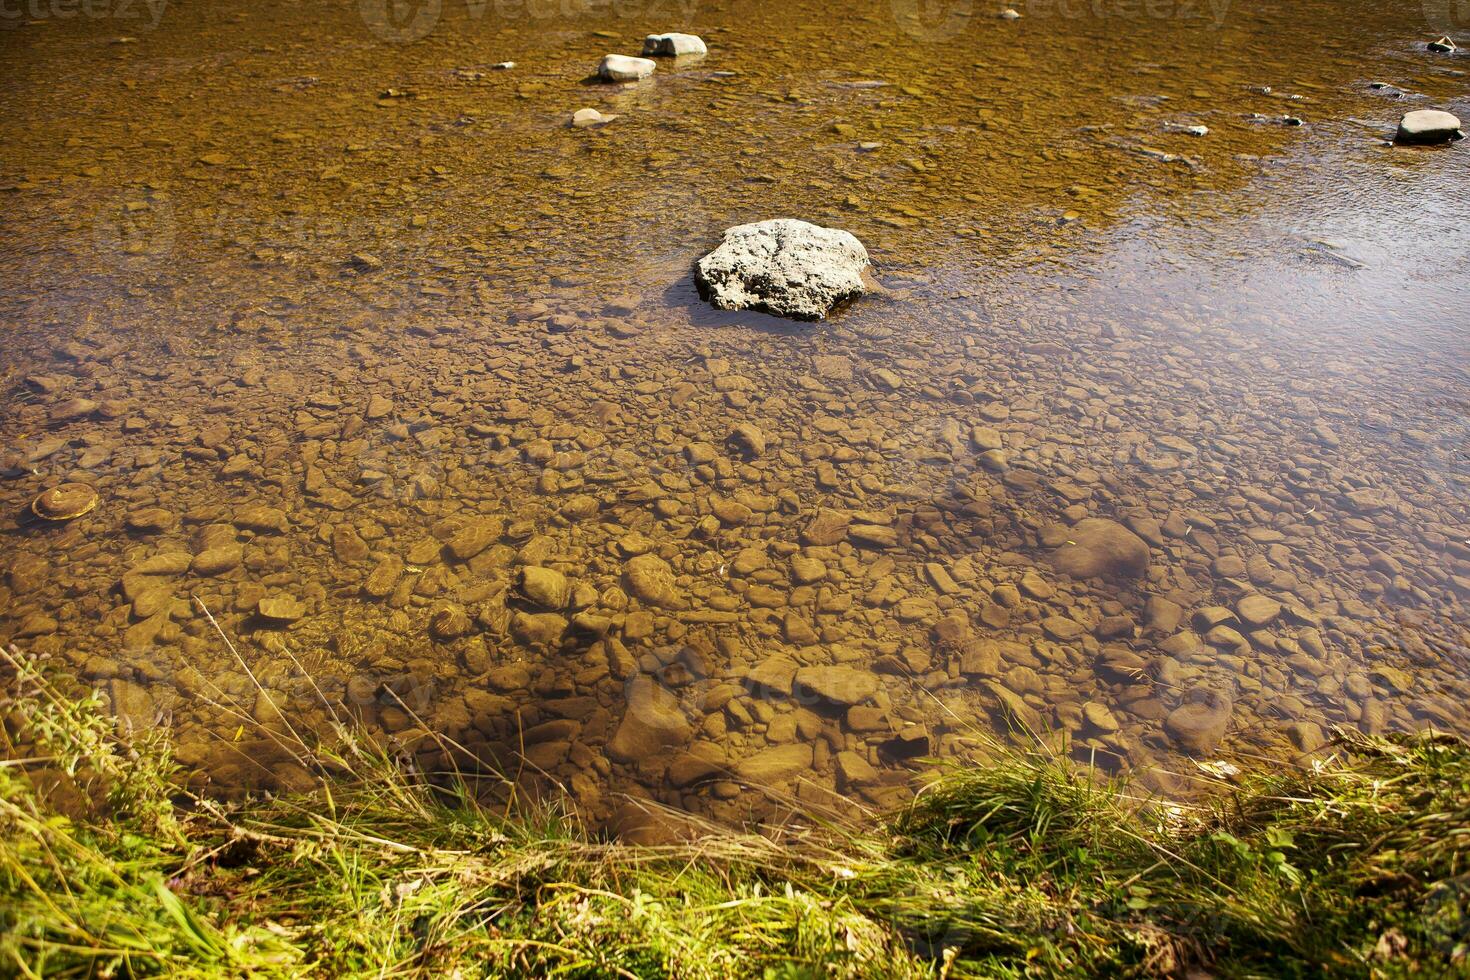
1027	867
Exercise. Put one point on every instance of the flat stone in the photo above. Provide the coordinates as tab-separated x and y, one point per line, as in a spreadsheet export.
1100	548
1014	709
651	723
827	528
873	535
807	570
587	118
772	674
775	764
1062	628
544	587
474	538
650	579
217	561
1162	615
261	519
383	579
839	685
747	439
1099	717
854	770
281	609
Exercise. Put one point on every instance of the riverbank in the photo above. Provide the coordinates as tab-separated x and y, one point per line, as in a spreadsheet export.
1356	867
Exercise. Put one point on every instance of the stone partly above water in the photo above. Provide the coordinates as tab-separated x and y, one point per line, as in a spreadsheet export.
673	45
621	68
1428	126
784	267
587	118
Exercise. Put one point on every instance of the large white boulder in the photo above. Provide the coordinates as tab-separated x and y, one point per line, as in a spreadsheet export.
673	45
1428	126
784	267
621	68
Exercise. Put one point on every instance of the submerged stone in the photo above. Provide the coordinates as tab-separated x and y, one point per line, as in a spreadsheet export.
64	502
1100	548
1198	725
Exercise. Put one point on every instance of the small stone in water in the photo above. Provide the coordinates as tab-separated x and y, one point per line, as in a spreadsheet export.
64	502
673	45
282	609
585	118
1428	126
621	68
545	587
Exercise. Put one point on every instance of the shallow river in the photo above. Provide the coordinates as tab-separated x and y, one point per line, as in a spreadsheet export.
1152	443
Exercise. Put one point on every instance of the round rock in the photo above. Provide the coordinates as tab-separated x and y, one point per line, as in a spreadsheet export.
1428	126
1198	725
64	502
1100	548
651	580
784	267
621	68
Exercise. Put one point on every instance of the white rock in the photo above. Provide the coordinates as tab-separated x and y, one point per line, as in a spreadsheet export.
784	267
1428	126
1009	14
673	45
621	68
584	118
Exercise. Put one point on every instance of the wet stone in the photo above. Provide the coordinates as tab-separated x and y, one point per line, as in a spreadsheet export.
1198	725
621	68
1258	610
65	502
784	267
384	577
839	685
218	561
544	587
1100	718
652	721
1100	548
650	579
281	609
261	519
474	538
775	764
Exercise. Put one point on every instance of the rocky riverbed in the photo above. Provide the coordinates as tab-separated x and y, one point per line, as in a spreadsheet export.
400	402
